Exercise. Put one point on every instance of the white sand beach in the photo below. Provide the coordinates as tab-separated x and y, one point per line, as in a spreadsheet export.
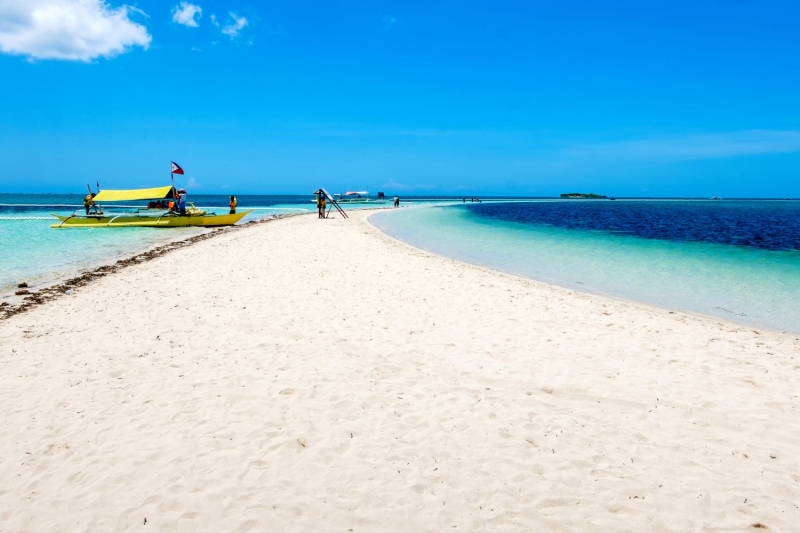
307	375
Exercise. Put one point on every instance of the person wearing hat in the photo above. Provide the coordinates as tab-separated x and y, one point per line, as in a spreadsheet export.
182	201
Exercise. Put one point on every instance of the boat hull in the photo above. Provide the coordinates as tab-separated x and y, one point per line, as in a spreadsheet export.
164	221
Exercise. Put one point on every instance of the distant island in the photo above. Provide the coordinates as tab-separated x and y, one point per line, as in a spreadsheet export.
581	195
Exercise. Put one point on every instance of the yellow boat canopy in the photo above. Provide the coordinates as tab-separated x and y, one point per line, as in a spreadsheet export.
156	193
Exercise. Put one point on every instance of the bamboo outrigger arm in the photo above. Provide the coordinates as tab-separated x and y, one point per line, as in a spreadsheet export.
113	219
63	221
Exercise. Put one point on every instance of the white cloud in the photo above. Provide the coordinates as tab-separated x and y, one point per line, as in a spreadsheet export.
236	25
187	14
214	21
78	30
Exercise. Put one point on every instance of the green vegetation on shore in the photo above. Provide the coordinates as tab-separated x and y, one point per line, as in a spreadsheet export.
581	195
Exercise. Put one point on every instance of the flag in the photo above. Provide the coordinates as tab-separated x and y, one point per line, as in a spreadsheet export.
176	169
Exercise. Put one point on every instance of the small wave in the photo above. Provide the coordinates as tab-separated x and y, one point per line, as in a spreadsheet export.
26	218
70	206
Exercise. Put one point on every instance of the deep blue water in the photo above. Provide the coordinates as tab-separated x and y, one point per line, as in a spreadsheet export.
763	224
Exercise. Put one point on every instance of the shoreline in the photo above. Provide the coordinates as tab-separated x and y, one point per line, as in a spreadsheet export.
44	281
58	274
598	293
57	286
52	286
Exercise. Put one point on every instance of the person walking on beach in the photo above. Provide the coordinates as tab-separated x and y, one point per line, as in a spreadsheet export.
88	201
233	204
397	201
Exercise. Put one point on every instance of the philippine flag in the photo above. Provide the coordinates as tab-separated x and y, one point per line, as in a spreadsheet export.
176	169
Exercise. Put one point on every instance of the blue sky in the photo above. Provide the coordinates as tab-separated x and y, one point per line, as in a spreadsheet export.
466	98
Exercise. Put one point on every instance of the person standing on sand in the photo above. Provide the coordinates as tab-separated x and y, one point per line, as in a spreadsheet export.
233	204
397	201
321	205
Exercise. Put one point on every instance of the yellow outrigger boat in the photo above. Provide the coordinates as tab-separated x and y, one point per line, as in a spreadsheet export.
145	217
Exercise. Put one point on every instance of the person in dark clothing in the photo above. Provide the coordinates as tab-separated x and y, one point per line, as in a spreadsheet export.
88	201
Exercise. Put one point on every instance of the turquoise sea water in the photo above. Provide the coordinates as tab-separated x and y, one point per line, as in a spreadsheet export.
37	254
34	253
654	258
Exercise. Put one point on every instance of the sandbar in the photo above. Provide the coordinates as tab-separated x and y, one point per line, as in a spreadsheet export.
317	375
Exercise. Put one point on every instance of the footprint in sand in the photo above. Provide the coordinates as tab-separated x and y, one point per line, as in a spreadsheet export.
55	449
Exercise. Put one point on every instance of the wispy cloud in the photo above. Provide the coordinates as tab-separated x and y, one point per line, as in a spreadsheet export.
686	146
77	30
388	22
234	26
695	146
187	14
394	186
334	131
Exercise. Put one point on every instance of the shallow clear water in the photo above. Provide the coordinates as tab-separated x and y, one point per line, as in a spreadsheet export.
748	284
32	252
